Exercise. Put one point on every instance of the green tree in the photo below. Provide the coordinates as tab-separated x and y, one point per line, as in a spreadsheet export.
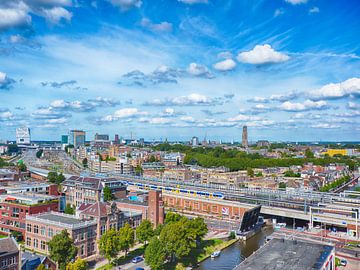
39	153
155	254
145	231
126	238
22	167
109	244
197	228
172	217
158	229
153	159
54	177
138	170
69	210
85	162
282	185
250	172
62	249
79	264
309	153
176	241
41	267
108	196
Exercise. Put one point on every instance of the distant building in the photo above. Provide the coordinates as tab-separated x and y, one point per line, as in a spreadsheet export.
64	139
245	142
101	137
262	143
117	139
281	254
195	141
77	138
9	254
40	229
23	135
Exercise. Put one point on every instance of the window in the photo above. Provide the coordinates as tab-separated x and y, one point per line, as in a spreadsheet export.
82	250
36	243
28	241
36	228
50	232
43	245
42	231
28	227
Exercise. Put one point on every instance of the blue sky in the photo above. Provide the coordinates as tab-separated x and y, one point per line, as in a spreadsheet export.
288	69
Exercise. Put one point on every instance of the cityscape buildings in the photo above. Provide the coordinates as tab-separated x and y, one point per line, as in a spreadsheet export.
77	138
23	136
244	140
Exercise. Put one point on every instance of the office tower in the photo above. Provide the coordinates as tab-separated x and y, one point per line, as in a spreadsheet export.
23	135
77	138
64	139
117	140
245	137
101	137
195	141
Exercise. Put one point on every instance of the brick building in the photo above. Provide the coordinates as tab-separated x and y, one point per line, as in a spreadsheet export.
40	229
9	254
15	207
151	207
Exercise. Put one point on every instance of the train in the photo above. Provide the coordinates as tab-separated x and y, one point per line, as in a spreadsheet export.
178	189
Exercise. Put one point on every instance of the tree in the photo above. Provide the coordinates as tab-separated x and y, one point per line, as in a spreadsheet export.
39	153
138	170
309	153
108	196
79	264
54	177
158	229
126	238
145	231
152	159
172	217
69	210
85	162
197	228
62	249
155	254
109	244
250	172
22	167
282	185
41	267
176	241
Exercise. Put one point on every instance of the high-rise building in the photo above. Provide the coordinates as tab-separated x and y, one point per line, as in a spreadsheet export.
245	142
23	135
101	137
77	138
64	139
194	141
117	139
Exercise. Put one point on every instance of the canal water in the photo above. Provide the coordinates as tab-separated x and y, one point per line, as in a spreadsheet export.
233	255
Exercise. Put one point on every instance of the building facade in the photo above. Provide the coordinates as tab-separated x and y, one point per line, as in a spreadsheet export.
9	254
77	138
23	135
244	141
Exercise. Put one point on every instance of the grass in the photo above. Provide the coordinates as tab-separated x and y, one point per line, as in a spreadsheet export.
3	236
202	252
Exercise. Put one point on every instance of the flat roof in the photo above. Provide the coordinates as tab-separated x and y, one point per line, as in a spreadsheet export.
60	218
281	254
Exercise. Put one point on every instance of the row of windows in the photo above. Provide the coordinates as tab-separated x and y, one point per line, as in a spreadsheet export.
8	262
36	243
35	230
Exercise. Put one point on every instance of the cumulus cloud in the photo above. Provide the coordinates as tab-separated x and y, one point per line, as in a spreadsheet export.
6	116
192	2
225	65
59	84
276	97
262	54
125	5
350	87
156	27
6	82
49	113
325	126
126	113
199	70
243	118
212	113
314	10
15	15
305	106
353	106
190	100
296	2
56	14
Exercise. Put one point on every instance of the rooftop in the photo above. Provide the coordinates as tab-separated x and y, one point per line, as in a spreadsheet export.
280	254
8	246
27	198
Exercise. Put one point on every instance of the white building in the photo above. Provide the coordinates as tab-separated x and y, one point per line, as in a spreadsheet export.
23	135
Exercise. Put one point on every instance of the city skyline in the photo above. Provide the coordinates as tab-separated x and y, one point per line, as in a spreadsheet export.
287	69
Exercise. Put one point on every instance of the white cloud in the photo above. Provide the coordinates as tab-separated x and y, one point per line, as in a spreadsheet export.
5	82
262	54
350	87
156	27
199	70
307	105
325	126
225	65
125	113
278	12
16	16
188	119
193	99
125	5
192	2
314	10
353	106
243	117
56	14
296	2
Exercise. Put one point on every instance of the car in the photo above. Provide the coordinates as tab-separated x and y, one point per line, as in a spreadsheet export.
137	259
343	262
139	268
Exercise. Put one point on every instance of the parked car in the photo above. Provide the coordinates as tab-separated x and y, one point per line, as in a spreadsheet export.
343	262
137	259
139	268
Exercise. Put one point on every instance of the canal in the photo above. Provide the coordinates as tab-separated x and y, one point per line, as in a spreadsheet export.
233	255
